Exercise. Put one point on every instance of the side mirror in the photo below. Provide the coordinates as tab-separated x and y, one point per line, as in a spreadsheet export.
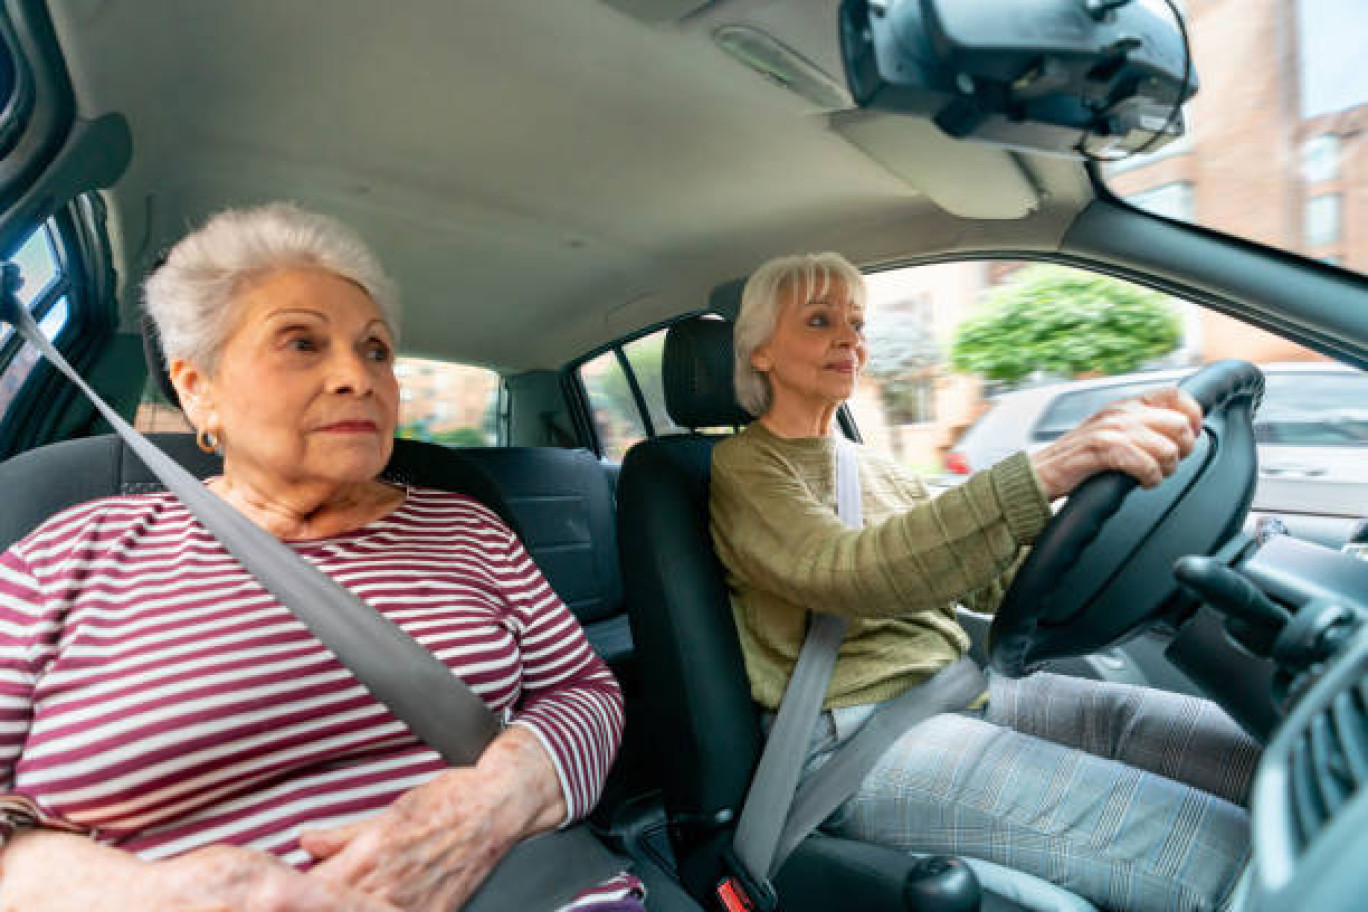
1079	78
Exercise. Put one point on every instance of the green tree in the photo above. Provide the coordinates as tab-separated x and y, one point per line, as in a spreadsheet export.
1065	321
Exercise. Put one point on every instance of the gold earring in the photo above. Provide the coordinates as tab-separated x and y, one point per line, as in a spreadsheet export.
207	441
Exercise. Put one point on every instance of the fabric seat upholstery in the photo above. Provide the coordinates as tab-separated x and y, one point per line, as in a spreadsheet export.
562	506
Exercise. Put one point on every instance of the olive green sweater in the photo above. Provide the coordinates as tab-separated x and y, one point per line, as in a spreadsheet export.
775	527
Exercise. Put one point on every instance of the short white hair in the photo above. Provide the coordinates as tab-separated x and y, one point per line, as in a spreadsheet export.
190	296
763	299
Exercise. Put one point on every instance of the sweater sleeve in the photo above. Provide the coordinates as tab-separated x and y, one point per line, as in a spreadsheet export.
28	634
772	532
570	699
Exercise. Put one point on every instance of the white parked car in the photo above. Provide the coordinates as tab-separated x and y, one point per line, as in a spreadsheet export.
1312	429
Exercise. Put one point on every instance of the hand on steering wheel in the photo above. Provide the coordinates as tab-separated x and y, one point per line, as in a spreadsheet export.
1102	569
1145	437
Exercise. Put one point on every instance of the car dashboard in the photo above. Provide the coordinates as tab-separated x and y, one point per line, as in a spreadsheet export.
1309	805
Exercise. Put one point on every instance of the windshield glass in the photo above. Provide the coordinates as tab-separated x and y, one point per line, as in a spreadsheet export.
1276	148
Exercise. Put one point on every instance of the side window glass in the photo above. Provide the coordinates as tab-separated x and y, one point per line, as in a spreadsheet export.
612	382
456	405
37	264
1314	409
973	361
613	406
644	356
44	293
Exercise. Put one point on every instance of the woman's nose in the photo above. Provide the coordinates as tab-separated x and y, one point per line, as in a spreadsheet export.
350	374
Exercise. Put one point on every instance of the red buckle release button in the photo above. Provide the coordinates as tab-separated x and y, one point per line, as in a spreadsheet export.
733	897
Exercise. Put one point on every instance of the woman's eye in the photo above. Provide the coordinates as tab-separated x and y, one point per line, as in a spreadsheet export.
379	351
817	320
302	344
858	326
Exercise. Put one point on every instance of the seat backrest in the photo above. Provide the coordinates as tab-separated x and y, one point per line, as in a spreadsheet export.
562	504
694	675
42	482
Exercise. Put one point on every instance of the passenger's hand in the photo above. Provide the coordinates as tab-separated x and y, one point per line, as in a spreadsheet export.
1144	437
437	843
230	878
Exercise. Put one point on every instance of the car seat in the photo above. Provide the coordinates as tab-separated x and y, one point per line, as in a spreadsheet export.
707	729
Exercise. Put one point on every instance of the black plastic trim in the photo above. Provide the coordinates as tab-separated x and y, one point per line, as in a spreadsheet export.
52	106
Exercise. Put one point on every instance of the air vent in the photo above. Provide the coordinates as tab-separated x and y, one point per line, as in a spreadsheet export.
1328	764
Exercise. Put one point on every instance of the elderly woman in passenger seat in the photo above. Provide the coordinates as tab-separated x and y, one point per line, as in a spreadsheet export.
1128	796
172	738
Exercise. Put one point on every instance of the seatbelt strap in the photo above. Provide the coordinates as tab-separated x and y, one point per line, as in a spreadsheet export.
781	762
949	690
396	669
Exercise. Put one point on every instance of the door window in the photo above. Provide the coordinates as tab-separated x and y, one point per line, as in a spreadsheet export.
44	293
626	394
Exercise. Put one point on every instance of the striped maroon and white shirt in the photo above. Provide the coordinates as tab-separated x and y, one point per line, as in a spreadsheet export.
155	696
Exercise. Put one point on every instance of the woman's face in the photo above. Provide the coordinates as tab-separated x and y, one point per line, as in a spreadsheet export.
305	390
817	351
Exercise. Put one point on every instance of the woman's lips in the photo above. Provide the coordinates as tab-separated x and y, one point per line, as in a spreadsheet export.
350	427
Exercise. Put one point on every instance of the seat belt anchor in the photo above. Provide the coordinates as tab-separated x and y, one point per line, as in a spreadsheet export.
738	891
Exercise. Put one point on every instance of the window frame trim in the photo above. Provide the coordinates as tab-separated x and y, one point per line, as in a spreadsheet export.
577	394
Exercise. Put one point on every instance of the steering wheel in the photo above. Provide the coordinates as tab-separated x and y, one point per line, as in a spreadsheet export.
1103	567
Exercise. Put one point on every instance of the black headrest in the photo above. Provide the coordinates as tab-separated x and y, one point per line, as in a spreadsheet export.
696	369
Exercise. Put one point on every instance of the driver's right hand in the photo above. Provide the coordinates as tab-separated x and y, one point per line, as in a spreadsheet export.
1144	437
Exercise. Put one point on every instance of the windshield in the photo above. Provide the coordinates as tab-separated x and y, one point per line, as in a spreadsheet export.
1275	149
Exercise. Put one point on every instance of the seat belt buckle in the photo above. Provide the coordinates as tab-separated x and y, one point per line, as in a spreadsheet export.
738	891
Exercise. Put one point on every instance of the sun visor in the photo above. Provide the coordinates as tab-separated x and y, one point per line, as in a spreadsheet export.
966	179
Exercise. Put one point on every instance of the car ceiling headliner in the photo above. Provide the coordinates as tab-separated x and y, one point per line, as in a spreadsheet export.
540	177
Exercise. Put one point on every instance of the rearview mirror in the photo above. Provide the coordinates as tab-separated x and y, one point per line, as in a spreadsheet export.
1081	78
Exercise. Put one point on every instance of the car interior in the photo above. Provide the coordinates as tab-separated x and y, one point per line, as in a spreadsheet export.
551	183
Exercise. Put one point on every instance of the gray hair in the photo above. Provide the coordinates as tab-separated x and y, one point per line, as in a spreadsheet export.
190	296
761	302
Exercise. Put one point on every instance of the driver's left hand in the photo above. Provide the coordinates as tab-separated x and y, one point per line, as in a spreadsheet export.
1144	437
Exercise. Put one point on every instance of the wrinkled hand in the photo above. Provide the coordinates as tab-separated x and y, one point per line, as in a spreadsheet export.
229	878
1144	437
430	849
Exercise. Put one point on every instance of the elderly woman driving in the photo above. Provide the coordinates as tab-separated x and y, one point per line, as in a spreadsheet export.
1128	796
171	737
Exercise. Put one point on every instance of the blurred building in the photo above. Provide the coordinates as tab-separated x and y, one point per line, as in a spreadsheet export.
1275	151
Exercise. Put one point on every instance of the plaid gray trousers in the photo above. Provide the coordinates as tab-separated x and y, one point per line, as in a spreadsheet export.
1130	797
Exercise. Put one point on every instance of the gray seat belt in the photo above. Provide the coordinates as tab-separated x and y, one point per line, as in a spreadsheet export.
777	815
539	873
